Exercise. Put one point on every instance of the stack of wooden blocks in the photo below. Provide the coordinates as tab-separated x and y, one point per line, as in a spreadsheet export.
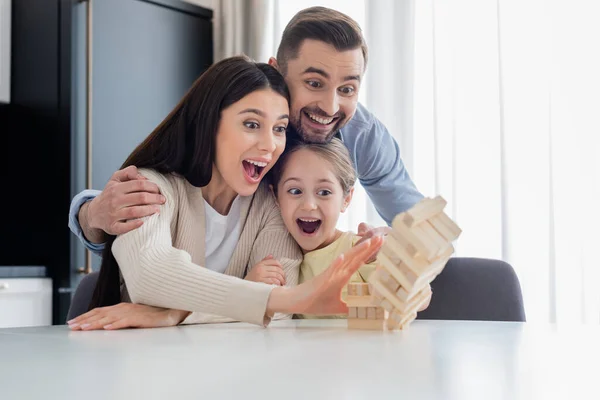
414	253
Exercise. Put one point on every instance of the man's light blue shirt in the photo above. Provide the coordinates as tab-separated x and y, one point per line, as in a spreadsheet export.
376	157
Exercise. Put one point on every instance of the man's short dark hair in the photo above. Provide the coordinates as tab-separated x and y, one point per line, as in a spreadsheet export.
323	24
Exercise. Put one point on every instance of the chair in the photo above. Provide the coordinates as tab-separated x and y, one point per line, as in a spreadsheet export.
476	289
83	296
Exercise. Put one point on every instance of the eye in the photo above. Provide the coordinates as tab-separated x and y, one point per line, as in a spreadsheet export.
280	130
251	125
324	192
314	84
347	90
294	191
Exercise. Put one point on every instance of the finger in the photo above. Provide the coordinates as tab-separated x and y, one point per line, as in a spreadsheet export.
271	263
120	228
139	186
121	323
125	174
358	255
84	316
277	276
133	212
99	323
269	257
363	228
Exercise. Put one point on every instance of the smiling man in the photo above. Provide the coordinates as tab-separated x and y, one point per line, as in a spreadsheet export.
323	57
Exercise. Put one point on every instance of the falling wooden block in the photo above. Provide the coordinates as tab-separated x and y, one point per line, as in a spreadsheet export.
425	247
446	227
387	279
416	302
398	244
405	323
424	210
367	324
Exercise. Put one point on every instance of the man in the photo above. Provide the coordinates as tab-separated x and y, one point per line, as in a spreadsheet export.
323	57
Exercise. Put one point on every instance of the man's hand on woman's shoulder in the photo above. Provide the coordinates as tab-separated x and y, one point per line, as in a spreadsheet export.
126	197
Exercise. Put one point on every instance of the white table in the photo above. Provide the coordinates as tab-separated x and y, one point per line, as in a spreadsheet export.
303	359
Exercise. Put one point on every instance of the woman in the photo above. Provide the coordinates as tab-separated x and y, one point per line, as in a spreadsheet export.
208	158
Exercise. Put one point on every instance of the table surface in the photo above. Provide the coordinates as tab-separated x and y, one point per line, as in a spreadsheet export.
300	359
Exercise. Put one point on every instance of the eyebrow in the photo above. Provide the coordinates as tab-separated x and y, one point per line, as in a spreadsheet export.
325	75
324	180
261	114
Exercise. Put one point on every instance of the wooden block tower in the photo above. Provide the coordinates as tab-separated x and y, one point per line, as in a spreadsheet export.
413	254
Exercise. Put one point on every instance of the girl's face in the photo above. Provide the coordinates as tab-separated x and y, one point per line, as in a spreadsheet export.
250	139
311	199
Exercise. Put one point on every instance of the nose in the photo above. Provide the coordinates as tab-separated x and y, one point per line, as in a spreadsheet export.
330	103
266	142
308	203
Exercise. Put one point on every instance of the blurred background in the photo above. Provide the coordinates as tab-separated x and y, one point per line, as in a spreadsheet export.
494	104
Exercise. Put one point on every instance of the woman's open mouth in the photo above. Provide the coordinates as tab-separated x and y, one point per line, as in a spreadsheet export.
253	170
308	226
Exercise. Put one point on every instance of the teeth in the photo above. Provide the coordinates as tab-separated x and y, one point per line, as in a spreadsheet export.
257	163
308	220
324	121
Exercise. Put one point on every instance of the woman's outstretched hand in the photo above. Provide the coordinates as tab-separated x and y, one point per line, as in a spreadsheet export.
322	295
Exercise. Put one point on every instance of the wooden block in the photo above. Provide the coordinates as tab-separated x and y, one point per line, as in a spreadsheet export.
404	295
414	304
393	241
367	324
446	227
425	247
398	244
380	313
405	323
387	306
361	312
437	242
351	289
352	312
360	301
387	279
424	210
372	313
393	269
389	296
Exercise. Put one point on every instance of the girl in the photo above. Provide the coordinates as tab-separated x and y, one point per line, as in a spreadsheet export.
313	184
208	158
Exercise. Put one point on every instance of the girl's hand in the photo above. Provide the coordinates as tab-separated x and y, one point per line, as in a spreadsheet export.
267	271
127	315
322	295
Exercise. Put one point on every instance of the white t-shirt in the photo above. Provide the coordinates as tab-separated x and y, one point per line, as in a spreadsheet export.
222	234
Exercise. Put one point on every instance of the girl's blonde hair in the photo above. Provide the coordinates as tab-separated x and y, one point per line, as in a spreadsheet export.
334	152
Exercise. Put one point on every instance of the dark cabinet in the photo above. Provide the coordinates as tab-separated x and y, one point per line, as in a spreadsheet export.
90	80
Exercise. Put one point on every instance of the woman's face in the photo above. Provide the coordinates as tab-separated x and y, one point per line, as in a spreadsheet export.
250	139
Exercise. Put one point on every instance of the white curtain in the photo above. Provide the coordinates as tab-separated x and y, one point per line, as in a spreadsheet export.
503	123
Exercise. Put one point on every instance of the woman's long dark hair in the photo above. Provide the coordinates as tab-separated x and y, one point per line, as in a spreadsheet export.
184	142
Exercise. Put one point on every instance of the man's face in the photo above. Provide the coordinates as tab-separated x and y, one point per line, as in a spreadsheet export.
324	86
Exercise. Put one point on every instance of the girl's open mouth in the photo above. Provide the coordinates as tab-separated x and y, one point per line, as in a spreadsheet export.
253	170
308	226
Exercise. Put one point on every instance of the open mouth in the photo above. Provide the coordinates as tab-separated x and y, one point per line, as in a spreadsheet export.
325	122
253	169
308	226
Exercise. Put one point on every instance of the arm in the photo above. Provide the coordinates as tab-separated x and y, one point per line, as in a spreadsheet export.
74	221
382	172
126	197
275	239
157	274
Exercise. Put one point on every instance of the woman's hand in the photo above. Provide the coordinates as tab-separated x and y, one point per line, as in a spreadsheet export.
127	315
267	271
322	295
